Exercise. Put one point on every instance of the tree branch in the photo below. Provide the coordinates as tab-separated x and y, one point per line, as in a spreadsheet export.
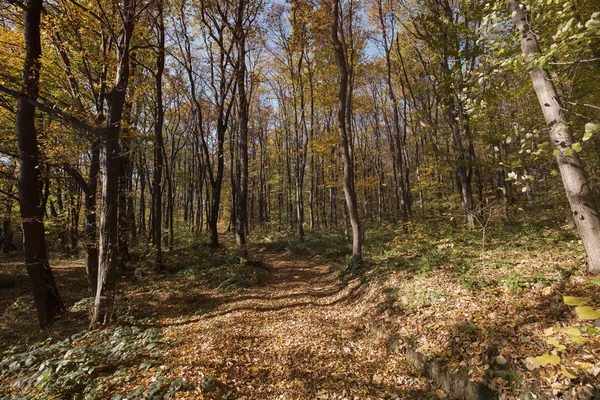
52	110
77	178
9	195
591	60
18	3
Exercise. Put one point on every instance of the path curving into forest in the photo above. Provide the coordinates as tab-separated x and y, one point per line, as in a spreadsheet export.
302	335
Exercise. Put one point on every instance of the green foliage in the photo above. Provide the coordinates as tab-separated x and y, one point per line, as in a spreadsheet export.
430	260
219	268
165	388
514	281
353	265
329	246
83	362
235	274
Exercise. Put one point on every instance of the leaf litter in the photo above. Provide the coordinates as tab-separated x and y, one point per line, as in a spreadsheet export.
509	320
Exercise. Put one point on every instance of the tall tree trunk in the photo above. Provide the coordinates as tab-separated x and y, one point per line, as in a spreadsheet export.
344	129
579	193
242	193
398	145
108	252
45	293
158	141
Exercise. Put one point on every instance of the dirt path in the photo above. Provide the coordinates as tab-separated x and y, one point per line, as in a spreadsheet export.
302	335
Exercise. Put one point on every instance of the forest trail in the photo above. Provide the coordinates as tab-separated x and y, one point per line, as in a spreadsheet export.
301	335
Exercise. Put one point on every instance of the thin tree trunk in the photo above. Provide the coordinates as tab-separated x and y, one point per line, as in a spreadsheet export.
396	114
7	245
344	129
125	171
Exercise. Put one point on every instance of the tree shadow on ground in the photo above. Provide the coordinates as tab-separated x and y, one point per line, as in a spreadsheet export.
190	303
489	333
18	321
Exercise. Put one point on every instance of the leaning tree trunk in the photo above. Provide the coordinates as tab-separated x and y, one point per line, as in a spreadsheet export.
108	251
45	293
576	185
349	191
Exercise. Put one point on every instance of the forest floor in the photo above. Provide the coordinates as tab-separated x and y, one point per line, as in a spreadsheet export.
294	324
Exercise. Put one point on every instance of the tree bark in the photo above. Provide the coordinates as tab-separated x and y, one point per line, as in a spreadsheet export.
47	300
344	129
158	142
398	145
576	185
90	232
103	310
242	193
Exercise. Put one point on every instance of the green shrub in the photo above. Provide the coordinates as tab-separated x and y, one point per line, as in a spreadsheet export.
79	364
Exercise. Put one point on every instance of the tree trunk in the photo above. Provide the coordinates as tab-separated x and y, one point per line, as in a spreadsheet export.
7	244
158	142
91	248
576	185
45	293
217	184
403	195
108	252
344	129
125	171
242	201
142	203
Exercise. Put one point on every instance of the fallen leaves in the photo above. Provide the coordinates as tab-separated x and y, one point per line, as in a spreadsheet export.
546	359
307	334
587	313
574	301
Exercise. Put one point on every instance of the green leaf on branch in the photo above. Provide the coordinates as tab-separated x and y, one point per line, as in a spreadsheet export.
590	129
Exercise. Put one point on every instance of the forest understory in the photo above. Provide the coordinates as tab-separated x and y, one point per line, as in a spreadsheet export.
294	322
299	199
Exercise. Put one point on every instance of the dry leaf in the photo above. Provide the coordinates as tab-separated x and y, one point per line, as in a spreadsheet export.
546	359
587	313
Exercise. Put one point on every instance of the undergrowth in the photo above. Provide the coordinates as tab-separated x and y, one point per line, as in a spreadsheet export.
330	246
219	268
86	364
